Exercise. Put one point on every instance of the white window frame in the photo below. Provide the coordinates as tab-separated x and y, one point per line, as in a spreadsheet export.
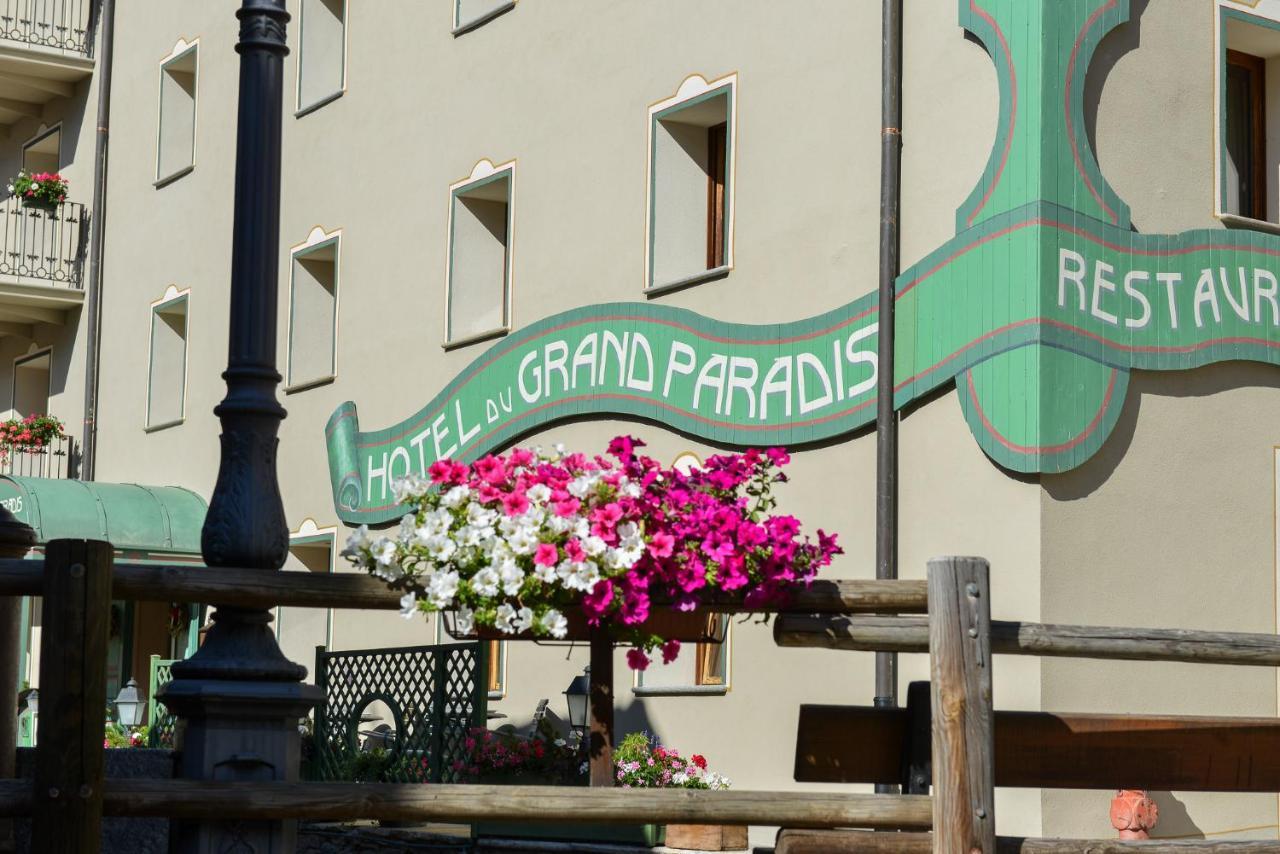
484	172
44	133
180	50
693	90
171	296
317	239
301	109
461	27
13	375
309	533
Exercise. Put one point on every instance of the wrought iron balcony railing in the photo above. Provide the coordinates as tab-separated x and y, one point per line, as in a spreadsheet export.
58	24
44	245
55	460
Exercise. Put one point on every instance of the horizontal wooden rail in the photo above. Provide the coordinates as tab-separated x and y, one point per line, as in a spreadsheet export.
258	588
467	803
911	634
863	744
872	842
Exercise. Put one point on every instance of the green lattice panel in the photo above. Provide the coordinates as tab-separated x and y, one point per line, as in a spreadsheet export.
160	723
433	695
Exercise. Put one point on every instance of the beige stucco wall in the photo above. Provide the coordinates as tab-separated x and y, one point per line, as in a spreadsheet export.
422	107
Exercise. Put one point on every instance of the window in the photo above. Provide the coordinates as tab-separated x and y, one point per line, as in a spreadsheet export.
1246	135
469	14
44	152
167	371
321	53
31	384
176	148
478	279
300	630
313	312
690	210
1249	153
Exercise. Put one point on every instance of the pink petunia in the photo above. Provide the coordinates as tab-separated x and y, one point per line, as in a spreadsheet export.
515	503
637	660
546	555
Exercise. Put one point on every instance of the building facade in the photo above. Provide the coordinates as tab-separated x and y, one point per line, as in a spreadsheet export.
455	173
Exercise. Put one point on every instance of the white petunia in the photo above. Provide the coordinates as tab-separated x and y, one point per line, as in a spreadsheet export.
545	574
627	530
442	587
539	493
456	496
464	620
554	623
408	605
504	620
357	544
409	486
384	551
479	515
441	547
523	541
581	485
523	620
560	524
512	577
408	527
583	576
581	527
594	546
485	582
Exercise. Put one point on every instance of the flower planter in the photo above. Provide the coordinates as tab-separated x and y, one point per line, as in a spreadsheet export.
706	837
40	205
648	835
684	626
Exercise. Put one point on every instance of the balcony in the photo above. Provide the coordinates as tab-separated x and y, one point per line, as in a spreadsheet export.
55	460
41	264
46	48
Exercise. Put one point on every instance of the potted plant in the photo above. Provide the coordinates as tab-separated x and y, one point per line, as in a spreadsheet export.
42	190
30	435
642	763
542	759
543	544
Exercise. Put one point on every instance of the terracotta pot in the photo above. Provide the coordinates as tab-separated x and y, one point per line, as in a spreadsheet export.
684	626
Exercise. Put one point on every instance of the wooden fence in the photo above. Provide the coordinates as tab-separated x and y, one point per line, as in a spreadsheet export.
953	740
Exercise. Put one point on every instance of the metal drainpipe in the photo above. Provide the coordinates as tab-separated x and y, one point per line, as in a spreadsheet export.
886	414
97	219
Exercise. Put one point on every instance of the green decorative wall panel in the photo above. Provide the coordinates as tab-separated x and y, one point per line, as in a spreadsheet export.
1037	310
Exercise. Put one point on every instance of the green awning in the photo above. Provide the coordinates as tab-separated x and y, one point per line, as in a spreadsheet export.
148	519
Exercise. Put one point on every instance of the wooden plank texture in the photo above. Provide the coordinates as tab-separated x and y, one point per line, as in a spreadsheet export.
960	678
862	744
911	634
465	803
255	588
873	842
73	693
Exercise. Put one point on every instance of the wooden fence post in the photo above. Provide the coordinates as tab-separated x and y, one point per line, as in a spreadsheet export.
73	697
600	746
963	743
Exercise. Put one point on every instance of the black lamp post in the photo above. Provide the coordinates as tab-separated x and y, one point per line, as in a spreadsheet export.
239	697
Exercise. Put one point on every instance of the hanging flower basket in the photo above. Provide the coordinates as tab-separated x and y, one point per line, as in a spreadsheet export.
547	545
683	626
43	191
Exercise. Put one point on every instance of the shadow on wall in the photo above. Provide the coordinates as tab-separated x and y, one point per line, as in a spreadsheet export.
1111	49
1175	822
1198	382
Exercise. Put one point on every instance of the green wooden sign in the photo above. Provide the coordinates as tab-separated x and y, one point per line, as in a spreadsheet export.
1036	310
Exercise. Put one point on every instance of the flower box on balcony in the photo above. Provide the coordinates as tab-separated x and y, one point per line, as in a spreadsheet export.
684	626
